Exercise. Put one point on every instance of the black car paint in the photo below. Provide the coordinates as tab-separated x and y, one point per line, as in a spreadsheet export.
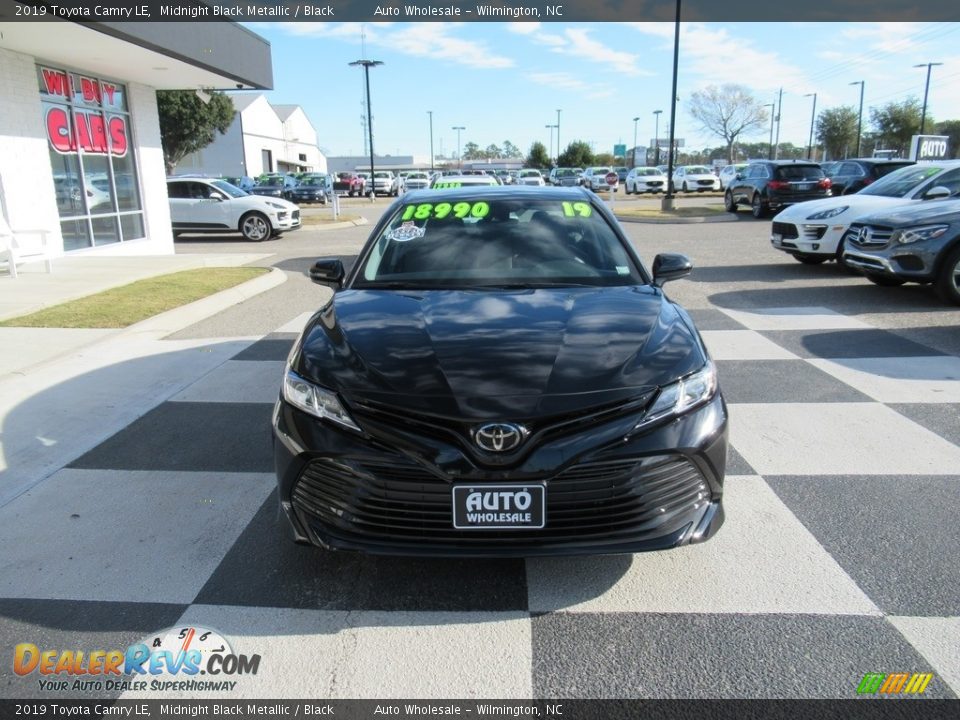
590	359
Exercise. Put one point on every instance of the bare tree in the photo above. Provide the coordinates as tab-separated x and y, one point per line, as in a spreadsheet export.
728	112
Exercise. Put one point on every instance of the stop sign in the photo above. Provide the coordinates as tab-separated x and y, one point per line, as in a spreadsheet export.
612	178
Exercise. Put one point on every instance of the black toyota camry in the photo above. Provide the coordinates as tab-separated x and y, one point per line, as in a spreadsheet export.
500	374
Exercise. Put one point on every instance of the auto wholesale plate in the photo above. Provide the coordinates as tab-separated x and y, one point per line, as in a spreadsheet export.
499	507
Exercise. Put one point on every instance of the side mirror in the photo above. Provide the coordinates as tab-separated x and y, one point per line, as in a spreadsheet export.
217	196
739	176
327	271
670	266
938	192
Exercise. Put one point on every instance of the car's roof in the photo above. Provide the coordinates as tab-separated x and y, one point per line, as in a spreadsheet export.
784	162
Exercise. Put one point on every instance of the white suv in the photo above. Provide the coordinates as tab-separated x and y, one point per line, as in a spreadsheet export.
215	206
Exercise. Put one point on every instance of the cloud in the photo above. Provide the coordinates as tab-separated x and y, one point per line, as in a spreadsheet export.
579	43
523	28
428	39
565	81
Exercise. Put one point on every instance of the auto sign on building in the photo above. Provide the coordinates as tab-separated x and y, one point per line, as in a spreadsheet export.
930	147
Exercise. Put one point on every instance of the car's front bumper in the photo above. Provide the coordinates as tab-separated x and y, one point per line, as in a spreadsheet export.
613	491
814	237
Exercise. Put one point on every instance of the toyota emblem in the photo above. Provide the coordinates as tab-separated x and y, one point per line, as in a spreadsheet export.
499	437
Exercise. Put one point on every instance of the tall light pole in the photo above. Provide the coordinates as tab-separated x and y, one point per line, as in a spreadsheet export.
667	202
926	91
458	128
813	115
551	137
367	64
558	135
656	137
634	163
772	106
430	113
860	115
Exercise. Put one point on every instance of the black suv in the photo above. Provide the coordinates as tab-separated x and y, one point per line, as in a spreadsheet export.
850	176
767	185
909	244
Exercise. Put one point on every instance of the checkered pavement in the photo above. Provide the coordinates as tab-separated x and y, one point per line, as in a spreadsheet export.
838	556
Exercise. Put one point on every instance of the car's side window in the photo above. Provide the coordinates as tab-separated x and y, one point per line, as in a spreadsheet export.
177	190
949	180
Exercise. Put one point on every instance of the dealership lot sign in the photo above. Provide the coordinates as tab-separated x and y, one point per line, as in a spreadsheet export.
930	147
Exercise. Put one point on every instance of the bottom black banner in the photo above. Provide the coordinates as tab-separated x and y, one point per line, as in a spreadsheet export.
907	709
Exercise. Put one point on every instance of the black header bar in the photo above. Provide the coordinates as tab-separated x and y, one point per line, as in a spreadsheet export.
480	11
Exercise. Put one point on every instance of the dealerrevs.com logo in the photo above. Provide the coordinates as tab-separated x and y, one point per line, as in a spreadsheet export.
172	660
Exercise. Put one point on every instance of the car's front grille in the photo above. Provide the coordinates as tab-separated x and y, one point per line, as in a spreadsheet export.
395	500
785	230
869	236
708	183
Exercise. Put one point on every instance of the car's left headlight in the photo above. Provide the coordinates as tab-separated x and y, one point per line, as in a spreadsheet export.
277	206
683	395
832	212
315	400
916	234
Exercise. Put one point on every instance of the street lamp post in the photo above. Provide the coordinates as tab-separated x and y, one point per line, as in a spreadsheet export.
772	106
367	64
458	128
860	115
926	91
656	137
813	115
558	135
430	113
634	163
551	137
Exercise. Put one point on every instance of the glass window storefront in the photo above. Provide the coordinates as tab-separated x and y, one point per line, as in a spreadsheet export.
87	123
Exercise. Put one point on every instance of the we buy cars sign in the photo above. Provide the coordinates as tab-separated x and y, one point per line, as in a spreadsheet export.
89	131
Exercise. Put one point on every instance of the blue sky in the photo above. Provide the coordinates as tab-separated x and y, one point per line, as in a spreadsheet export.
505	81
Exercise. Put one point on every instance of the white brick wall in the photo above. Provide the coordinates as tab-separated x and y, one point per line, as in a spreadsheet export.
26	177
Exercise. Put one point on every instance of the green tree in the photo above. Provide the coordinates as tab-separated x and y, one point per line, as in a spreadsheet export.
951	128
472	151
510	150
837	131
493	152
539	157
728	112
604	159
896	123
187	124
577	154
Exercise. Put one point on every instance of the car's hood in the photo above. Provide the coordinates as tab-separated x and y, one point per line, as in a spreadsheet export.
916	213
308	189
700	177
496	354
287	205
856	204
267	191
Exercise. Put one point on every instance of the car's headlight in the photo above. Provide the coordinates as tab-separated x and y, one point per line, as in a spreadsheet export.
832	212
317	401
278	206
916	234
682	395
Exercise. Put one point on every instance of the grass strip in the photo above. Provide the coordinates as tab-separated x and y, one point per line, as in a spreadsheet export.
129	304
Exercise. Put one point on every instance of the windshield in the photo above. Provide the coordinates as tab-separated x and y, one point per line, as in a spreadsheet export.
230	190
313	181
901	182
648	171
529	173
271	182
698	170
479	240
566	172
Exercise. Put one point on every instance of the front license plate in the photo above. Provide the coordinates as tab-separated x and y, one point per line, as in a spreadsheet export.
499	507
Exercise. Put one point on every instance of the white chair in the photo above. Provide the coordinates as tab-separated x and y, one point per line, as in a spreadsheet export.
20	246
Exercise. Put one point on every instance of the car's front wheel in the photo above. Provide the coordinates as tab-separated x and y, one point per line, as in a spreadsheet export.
255	227
685	188
948	280
728	204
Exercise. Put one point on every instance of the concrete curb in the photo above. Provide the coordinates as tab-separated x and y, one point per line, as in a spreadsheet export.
177	319
337	225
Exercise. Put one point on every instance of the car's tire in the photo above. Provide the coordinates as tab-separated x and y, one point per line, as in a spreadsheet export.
842	264
626	189
756	207
685	188
255	227
947	283
728	204
812	259
884	280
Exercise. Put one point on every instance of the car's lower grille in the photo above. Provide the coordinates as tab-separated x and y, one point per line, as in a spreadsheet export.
814	232
395	500
787	231
869	236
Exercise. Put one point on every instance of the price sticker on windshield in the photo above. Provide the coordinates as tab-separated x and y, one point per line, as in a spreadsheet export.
577	209
461	210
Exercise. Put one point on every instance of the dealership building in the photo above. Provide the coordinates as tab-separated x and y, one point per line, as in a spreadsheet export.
80	152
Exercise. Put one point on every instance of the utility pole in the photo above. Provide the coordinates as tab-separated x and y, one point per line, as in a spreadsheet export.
772	107
813	116
776	148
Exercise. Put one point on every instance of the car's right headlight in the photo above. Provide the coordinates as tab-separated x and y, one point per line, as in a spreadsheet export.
683	395
832	212
317	401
